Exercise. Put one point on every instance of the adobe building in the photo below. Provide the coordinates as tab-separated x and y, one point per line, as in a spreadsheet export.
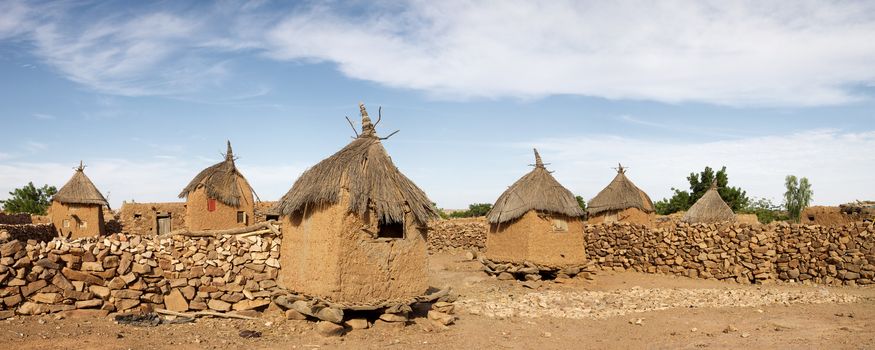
354	227
711	208
152	218
219	197
77	208
538	221
621	201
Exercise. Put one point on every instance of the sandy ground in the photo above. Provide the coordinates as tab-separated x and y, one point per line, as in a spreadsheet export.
616	310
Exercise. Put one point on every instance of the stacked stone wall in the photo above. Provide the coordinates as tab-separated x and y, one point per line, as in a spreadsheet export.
120	273
456	234
37	232
15	219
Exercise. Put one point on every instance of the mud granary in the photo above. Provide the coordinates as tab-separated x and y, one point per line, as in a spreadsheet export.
219	197
621	201
711	208
77	208
536	220
354	227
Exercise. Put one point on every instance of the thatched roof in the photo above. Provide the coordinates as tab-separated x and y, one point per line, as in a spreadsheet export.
365	170
710	208
221	182
537	190
619	195
80	190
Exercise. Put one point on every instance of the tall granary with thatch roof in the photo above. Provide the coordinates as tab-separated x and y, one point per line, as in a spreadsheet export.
354	227
77	208
621	201
219	197
538	221
710	208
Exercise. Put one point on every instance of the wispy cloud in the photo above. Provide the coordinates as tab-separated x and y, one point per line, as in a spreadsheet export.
34	146
43	116
745	53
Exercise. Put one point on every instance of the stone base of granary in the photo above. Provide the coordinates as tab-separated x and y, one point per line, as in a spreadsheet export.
528	271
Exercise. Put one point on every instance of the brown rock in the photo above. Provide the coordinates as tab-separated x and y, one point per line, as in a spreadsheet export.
61	282
32	287
88	304
4	314
328	329
81	276
175	301
358	323
47	298
126	304
219	305
292	314
441	317
126	294
13	300
251	304
92	266
84	314
504	276
116	283
393	317
330	314
100	291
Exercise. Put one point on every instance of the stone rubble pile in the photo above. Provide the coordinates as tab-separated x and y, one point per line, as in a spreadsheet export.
455	234
24	232
529	271
605	304
120	273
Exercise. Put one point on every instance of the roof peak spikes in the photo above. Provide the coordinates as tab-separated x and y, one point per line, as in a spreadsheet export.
538	162
368	128
621	169
81	167
229	154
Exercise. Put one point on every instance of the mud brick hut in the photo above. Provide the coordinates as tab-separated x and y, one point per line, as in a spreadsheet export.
536	220
77	208
711	208
621	201
219	197
354	227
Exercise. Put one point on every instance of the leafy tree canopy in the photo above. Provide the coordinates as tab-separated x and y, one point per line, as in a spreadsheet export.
476	209
735	197
797	197
29	199
581	202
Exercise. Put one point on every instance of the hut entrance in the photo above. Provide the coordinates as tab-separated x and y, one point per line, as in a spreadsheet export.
164	224
391	230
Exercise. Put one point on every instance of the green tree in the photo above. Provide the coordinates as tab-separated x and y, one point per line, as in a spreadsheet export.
29	199
735	197
765	210
581	202
476	209
797	197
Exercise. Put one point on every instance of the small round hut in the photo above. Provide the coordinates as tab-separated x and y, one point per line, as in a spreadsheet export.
710	208
621	201
354	227
219	197
536	220
77	208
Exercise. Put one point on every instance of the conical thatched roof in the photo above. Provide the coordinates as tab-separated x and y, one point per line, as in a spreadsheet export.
537	190
80	190
220	181
619	195
710	208
366	171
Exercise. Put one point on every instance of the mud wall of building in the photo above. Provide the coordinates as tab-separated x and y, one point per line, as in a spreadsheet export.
198	217
311	249
549	247
142	218
77	220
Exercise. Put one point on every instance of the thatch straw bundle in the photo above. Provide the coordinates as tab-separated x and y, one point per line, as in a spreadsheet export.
710	208
80	190
537	190
220	181
365	170
619	195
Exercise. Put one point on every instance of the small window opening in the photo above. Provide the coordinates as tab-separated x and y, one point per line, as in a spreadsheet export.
137	216
83	224
242	218
66	223
272	217
391	230
560	225
810	217
211	205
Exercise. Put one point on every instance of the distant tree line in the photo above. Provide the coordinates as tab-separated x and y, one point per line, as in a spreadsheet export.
29	199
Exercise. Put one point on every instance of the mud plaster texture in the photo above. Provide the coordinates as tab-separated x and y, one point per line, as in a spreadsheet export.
327	252
198	218
630	215
532	238
84	220
142	218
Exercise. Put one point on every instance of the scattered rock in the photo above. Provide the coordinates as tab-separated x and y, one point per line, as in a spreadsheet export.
329	329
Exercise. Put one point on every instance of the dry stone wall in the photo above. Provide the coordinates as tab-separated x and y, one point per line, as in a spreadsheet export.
15	219
38	232
454	234
740	252
119	273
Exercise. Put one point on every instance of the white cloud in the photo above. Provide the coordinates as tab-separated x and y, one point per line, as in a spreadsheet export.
43	116
840	165
14	18
737	53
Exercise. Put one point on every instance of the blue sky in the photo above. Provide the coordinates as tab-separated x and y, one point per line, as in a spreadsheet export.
147	94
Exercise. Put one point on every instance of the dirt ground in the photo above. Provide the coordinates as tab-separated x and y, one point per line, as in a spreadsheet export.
615	310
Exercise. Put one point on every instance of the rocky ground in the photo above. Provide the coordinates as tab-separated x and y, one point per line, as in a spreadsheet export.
611	310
